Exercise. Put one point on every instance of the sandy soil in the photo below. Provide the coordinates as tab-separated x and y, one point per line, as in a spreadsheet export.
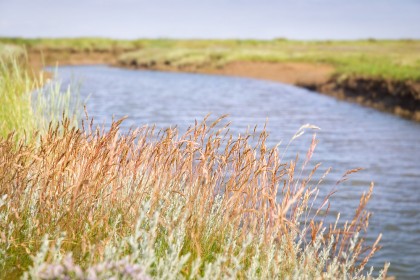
289	73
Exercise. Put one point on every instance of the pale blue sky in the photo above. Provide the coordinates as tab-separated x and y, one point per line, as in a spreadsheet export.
264	19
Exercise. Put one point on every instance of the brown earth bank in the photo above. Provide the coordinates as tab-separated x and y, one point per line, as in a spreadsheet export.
401	98
293	73
288	72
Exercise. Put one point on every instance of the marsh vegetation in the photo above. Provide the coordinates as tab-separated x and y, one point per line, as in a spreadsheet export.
86	202
388	59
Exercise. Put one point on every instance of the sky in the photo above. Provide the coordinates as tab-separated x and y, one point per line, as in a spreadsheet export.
259	19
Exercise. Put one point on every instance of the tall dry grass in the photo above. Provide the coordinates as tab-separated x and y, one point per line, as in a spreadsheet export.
92	203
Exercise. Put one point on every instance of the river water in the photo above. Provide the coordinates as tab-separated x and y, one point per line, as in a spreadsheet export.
351	136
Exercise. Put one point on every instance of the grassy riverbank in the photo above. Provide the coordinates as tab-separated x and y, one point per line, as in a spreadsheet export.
397	60
86	203
382	74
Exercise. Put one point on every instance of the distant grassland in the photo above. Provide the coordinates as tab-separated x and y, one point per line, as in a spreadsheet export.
388	59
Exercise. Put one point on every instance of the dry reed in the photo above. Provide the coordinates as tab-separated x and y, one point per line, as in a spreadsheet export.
202	204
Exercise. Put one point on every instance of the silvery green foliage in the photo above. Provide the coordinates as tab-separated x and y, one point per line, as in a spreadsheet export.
155	251
3	216
52	104
63	267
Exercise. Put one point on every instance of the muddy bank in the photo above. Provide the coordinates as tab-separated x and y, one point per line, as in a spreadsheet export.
401	98
288	72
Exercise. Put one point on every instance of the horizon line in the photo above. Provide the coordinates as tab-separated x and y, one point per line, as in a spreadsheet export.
210	38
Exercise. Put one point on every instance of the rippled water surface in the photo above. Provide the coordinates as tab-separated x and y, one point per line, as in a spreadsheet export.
387	147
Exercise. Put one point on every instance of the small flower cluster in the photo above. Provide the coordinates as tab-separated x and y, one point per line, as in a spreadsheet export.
67	269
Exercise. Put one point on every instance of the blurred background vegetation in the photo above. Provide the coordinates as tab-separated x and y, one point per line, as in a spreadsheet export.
387	59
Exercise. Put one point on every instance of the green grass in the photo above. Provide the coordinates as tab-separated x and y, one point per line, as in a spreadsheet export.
388	59
398	60
15	97
77	45
28	103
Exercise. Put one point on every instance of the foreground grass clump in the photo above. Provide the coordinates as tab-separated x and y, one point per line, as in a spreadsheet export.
92	204
89	203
